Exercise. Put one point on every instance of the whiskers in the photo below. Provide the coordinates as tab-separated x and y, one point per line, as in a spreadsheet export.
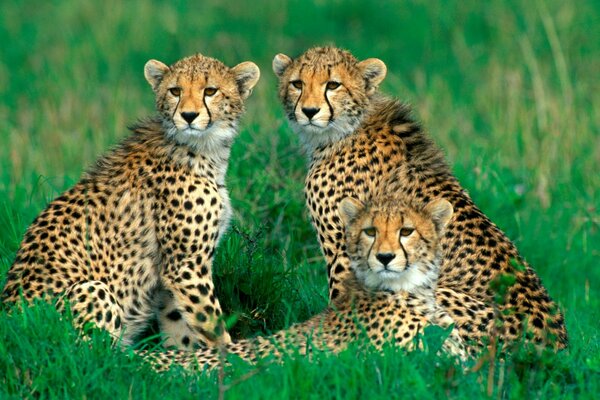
215	140
313	136
414	278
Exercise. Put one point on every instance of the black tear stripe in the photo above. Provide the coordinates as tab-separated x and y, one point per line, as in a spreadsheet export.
204	101
401	245
325	95
405	253
296	105
369	252
207	111
176	108
301	92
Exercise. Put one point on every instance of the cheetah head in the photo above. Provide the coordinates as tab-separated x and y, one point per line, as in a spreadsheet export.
325	91
393	246
199	96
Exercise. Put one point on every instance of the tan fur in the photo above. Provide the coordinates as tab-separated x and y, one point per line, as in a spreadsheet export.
394	247
136	235
304	87
371	147
378	317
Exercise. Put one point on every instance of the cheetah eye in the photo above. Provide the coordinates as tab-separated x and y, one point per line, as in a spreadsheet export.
175	91
296	84
370	232
333	85
210	91
406	231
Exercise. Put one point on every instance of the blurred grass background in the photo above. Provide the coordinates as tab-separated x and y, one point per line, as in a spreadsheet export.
509	89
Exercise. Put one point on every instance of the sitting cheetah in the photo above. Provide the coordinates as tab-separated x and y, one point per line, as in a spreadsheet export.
395	255
137	233
363	144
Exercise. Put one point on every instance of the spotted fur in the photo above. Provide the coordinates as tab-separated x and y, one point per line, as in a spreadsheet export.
364	144
136	235
363	312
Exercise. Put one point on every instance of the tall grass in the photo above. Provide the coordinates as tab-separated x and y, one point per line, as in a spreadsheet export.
508	89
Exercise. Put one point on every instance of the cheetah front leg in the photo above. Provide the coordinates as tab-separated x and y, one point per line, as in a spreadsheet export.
475	321
191	295
92	302
187	233
330	229
454	344
193	298
331	239
176	331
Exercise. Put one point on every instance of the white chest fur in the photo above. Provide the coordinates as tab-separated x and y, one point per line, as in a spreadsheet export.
226	211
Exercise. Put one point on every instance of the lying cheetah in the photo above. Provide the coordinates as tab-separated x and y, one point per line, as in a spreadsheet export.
363	144
137	233
389	297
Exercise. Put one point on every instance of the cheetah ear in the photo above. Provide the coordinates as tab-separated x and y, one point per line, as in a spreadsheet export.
280	63
374	71
246	75
441	212
154	71
349	208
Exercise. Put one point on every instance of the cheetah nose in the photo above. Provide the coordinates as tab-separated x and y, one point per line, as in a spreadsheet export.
310	111
189	116
385	258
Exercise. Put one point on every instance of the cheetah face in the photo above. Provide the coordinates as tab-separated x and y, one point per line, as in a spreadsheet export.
326	90
392	246
199	96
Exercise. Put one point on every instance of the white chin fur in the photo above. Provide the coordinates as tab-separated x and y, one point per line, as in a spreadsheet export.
408	280
208	141
313	136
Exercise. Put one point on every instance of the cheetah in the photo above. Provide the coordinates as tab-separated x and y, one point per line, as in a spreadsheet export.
134	239
395	255
364	144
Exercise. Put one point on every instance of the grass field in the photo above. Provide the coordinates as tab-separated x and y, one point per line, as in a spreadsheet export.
509	90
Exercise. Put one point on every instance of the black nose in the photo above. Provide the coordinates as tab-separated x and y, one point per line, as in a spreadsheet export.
189	116
385	258
310	112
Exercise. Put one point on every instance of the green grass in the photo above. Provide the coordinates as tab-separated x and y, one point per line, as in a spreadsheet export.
508	89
